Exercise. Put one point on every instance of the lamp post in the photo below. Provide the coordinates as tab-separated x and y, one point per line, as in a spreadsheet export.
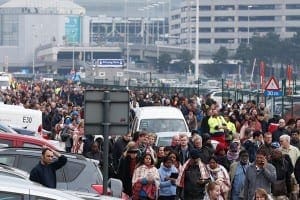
248	24
34	35
197	42
73	53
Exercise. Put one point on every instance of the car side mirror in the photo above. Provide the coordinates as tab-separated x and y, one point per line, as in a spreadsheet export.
116	187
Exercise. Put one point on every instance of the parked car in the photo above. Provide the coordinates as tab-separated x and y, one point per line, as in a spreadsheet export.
21	174
79	174
18	189
17	140
6	129
13	172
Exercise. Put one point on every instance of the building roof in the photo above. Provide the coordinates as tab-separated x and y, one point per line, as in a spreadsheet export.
42	6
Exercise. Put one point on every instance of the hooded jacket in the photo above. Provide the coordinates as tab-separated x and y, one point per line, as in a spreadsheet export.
166	187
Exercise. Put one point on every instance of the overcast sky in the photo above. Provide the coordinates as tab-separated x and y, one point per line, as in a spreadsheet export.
116	7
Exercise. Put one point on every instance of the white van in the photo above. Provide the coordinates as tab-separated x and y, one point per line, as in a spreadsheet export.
159	120
18	116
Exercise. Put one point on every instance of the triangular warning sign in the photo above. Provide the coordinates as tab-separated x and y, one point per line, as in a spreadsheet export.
272	84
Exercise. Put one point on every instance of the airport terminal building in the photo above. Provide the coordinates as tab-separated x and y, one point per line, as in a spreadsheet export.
228	23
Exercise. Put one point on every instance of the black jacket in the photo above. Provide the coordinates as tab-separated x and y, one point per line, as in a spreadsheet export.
124	174
284	170
297	170
46	174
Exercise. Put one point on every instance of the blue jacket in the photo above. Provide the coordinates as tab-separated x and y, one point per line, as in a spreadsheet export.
166	188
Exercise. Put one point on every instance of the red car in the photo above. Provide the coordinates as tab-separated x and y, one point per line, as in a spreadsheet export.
17	140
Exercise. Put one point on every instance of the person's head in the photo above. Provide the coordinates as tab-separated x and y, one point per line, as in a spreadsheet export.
260	194
160	152
151	138
212	162
95	147
281	123
260	158
276	154
284	141
268	138
174	156
47	156
142	138
175	141
258	136
195	155
261	116
213	190
215	112
197	141
183	140
298	123
295	135
131	150
127	137
167	150
148	159
168	162
244	157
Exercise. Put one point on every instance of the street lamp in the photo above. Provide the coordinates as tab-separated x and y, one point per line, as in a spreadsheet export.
73	55
197	42
248	32
34	36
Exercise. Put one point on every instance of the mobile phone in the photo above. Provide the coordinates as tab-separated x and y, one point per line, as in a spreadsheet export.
174	175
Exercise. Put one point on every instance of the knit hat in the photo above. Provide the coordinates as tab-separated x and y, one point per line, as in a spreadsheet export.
194	153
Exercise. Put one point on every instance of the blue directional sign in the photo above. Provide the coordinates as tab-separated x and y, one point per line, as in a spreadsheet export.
273	93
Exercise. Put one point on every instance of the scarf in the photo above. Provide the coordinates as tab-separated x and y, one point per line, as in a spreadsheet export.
203	171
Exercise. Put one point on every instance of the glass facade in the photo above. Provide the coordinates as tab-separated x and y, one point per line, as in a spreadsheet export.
9	30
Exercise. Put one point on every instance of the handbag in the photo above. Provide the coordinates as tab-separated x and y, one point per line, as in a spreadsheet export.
279	188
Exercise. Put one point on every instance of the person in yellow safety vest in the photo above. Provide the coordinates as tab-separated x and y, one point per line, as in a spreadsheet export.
216	122
231	129
217	127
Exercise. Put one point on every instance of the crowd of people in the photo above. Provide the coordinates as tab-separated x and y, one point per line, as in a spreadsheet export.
256	156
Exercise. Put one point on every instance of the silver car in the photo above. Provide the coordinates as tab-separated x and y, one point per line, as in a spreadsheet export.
78	174
22	189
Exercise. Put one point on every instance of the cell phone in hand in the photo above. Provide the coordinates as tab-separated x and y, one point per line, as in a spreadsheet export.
174	175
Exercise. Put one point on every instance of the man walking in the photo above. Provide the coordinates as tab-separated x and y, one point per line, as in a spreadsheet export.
260	174
45	171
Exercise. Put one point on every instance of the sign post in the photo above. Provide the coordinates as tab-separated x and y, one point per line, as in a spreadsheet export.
272	88
106	113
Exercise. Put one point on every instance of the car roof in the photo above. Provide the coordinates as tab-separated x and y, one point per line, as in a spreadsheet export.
5	169
36	151
27	138
9	183
159	112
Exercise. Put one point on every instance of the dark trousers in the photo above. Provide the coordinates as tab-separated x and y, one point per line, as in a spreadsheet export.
167	197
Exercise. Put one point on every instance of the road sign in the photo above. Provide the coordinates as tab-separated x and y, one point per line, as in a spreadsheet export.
95	112
272	84
273	93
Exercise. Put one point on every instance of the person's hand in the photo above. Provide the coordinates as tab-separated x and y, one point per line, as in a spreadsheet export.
219	181
150	180
265	162
45	147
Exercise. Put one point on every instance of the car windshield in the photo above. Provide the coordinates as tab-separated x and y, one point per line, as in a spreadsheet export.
163	125
164	141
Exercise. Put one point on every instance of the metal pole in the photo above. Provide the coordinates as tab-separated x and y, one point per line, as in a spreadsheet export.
73	58
106	101
248	23
282	97
197	42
